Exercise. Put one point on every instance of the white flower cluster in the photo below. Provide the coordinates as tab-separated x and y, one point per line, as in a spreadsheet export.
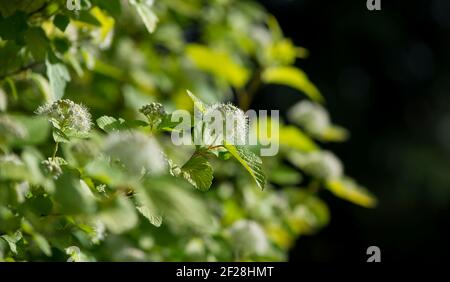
321	164
136	151
311	116
225	122
154	112
248	236
52	167
67	115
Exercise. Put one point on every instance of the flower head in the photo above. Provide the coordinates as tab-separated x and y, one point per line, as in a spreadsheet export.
224	122
53	166
67	115
321	164
136	151
311	116
154	112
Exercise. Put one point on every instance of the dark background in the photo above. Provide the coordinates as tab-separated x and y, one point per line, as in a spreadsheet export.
386	77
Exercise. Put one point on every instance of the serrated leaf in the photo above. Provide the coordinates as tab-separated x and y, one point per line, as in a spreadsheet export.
294	78
147	15
199	172
347	189
251	162
110	124
59	136
58	75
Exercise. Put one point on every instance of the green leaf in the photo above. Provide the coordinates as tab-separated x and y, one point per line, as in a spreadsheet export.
103	171
61	22
284	175
37	43
72	194
198	171
13	27
347	189
113	7
43	85
153	217
147	15
174	199
43	244
58	75
294	78
12	240
218	63
59	136
251	162
308	212
37	129
110	124
119	215
197	102
292	137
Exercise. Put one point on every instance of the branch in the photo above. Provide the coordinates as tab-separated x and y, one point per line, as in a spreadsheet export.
20	70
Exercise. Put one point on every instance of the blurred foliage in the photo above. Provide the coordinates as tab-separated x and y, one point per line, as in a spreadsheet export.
119	190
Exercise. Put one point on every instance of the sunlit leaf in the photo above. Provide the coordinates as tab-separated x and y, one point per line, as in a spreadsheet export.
294	78
198	171
251	162
218	63
347	189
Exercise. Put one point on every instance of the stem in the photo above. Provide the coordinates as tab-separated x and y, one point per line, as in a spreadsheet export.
56	150
246	96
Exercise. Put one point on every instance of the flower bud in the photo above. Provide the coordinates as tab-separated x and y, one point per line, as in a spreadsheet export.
154	112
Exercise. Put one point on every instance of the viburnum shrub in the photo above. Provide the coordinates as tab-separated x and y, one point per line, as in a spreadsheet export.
89	100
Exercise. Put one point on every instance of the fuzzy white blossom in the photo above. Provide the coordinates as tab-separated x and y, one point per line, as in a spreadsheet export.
224	122
67	115
320	164
249	237
136	151
311	116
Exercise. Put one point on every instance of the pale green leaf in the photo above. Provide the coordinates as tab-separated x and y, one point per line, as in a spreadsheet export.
119	215
347	189
147	15
294	78
198	171
251	162
218	63
58	75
